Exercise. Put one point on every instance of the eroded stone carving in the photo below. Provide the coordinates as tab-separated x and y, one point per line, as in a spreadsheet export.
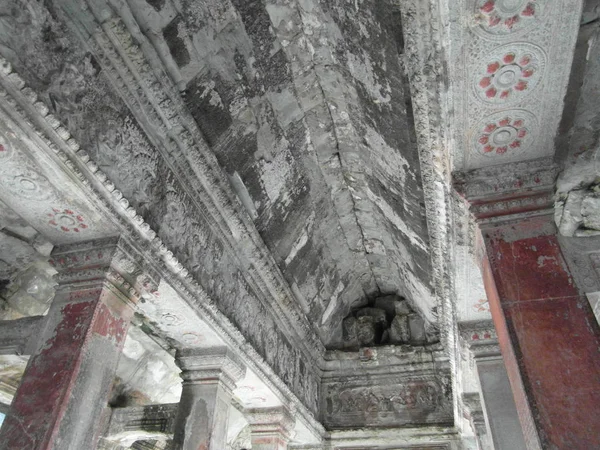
390	320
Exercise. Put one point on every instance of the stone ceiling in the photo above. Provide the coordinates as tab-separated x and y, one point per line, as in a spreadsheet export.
276	158
305	107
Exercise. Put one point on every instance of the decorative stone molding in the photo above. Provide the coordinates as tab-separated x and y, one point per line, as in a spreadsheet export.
209	365
57	142
390	388
153	97
425	56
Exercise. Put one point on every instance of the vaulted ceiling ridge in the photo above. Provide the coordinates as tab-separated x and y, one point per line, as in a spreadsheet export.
57	142
423	30
340	159
158	104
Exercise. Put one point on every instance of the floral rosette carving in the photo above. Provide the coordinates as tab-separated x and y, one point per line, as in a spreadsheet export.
502	17
506	133
510	74
66	220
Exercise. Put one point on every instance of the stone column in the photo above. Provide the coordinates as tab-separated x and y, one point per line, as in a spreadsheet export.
270	428
65	387
547	331
497	403
209	377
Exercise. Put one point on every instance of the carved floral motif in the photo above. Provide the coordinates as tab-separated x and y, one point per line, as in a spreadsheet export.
502	17
509	73
507	132
66	220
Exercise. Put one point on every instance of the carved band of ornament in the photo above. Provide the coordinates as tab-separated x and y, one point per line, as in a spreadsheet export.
498	181
119	56
102	191
422	37
424	64
515	206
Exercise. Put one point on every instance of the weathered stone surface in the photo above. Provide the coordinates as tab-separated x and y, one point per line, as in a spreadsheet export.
417	329
365	330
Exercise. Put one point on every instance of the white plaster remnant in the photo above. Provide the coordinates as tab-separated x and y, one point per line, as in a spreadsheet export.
302	239
332	302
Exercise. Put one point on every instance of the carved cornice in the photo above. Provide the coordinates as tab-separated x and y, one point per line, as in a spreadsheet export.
506	180
57	143
425	65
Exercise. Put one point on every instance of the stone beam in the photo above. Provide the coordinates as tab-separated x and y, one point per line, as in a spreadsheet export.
20	336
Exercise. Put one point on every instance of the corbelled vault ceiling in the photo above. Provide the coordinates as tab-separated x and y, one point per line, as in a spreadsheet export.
307	111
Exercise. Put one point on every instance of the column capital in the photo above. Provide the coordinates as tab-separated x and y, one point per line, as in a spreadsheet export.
480	338
508	191
109	259
206	365
277	419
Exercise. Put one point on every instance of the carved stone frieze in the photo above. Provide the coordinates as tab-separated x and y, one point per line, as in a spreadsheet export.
387	401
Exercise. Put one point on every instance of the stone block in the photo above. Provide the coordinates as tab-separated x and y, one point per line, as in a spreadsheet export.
377	314
392	305
365	330
349	330
399	330
416	325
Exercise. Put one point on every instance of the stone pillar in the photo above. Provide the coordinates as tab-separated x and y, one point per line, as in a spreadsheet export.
209	377
498	405
60	401
270	428
547	331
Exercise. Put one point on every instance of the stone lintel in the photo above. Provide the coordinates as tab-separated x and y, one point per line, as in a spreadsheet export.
277	419
19	336
210	365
